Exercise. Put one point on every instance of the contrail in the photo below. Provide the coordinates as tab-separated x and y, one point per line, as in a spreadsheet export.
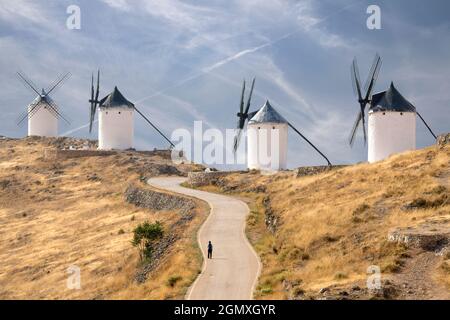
237	55
242	53
77	129
207	70
233	57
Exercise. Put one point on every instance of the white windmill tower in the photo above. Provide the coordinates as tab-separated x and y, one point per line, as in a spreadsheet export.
391	118
267	133
42	113
267	137
116	119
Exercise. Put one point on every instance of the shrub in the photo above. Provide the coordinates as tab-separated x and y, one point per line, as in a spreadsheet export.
266	290
145	236
121	231
172	281
361	209
340	276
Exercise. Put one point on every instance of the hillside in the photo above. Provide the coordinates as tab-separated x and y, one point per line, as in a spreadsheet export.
318	234
59	210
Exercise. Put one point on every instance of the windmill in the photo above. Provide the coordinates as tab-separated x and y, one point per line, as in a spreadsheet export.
391	117
115	118
42	113
264	119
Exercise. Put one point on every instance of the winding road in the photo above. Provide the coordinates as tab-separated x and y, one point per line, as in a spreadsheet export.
233	272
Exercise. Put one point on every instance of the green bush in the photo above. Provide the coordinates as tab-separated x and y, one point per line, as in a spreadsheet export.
171	282
144	237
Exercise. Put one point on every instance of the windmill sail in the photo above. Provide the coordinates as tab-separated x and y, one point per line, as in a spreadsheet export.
43	98
363	99
243	115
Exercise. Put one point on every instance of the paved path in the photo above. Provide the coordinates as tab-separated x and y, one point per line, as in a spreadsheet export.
234	269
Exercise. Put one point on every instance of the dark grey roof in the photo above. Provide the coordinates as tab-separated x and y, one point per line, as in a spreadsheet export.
267	114
115	100
41	99
391	100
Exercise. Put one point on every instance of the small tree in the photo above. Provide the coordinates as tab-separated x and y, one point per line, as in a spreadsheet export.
144	237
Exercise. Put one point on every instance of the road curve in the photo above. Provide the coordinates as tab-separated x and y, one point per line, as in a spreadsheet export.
233	272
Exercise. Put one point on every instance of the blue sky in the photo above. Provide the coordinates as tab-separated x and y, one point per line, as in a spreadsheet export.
181	61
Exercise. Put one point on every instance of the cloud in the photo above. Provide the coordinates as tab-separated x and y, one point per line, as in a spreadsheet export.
20	12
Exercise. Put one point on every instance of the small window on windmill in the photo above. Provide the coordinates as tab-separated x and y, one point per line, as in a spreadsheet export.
259	128
273	128
106	112
384	113
401	113
119	112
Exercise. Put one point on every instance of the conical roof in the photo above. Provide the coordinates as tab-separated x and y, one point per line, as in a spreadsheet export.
115	100
391	100
41	99
267	114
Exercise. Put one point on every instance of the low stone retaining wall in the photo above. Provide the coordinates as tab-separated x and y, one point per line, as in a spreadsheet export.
155	200
53	153
198	179
313	170
427	237
443	140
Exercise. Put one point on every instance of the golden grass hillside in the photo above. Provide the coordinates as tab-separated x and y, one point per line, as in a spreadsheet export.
317	235
58	213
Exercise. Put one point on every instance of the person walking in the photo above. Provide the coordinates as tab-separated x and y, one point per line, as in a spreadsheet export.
210	250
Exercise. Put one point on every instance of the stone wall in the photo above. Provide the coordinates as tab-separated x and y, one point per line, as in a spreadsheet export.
198	179
313	170
271	219
443	140
430	236
62	154
71	154
155	200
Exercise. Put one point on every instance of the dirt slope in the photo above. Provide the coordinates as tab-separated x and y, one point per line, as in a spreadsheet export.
58	213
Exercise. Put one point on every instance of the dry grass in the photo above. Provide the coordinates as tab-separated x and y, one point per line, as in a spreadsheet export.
54	214
335	224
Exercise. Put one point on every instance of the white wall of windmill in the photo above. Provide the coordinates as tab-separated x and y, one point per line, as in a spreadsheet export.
390	133
115	128
267	146
42	122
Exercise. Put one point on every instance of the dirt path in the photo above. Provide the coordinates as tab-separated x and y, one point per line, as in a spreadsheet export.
232	273
416	281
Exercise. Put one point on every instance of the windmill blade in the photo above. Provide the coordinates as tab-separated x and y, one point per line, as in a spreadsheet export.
375	65
237	139
310	143
53	108
33	111
372	77
426	125
94	100
241	105
58	78
363	120
28	83
352	135
58	83
249	97
154	127
98	85
92	113
356	82
26	114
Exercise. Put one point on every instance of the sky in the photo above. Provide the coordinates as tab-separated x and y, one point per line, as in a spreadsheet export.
184	61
